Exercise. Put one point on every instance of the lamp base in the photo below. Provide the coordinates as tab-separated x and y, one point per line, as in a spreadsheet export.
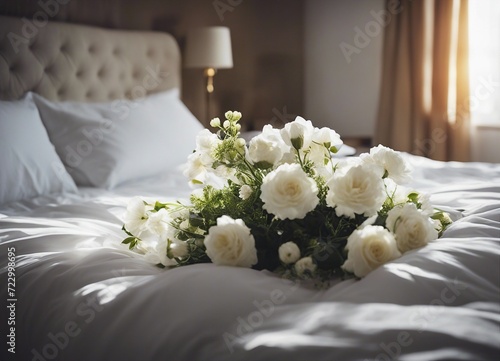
209	73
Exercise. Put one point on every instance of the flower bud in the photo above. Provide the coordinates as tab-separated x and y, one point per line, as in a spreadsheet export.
236	116
215	122
227	124
229	115
240	142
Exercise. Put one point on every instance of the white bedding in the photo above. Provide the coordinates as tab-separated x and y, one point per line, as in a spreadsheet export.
81	295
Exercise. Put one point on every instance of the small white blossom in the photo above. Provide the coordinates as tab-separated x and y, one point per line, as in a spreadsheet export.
136	216
178	249
198	166
158	222
289	252
305	266
327	137
215	122
245	191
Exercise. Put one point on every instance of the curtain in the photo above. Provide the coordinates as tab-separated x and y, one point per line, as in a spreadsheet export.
424	100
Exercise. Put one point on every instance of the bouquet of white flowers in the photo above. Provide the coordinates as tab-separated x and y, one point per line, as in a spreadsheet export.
284	203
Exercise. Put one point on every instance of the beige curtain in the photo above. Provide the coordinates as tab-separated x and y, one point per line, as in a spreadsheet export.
424	101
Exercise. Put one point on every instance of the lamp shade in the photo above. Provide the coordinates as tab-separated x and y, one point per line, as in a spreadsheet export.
209	47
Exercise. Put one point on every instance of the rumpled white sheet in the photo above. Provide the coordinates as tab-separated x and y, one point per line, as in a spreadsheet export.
81	295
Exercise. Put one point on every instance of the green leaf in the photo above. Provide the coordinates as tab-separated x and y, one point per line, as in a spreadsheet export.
131	241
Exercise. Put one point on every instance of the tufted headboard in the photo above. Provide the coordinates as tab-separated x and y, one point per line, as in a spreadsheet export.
63	61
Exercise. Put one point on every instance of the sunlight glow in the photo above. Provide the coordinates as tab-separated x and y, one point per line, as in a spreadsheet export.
427	71
484	61
452	69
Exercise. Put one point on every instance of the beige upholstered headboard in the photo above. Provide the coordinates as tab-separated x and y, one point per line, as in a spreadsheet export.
81	63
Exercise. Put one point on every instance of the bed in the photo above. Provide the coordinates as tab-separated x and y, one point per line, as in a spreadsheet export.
72	291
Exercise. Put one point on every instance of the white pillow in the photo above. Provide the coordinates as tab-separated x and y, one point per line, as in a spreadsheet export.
29	165
106	144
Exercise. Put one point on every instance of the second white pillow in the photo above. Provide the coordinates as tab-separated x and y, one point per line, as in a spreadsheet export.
106	144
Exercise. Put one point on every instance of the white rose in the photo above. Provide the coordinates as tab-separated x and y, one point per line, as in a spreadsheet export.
369	248
230	243
261	149
305	266
245	191
298	133
289	252
412	228
288	192
359	190
391	162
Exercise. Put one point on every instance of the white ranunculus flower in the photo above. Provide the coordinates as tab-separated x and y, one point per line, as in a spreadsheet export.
287	192
298	129
289	252
412	228
359	190
136	216
369	248
261	149
245	191
305	266
391	162
230	243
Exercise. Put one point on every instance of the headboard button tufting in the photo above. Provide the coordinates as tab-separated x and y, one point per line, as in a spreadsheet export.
83	63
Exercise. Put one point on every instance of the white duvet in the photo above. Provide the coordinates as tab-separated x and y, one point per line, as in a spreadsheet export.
81	295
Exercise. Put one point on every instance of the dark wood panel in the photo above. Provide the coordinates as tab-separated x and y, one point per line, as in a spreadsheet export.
267	37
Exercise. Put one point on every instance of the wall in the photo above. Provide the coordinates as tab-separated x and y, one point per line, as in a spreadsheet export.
342	91
486	144
342	87
267	40
287	57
